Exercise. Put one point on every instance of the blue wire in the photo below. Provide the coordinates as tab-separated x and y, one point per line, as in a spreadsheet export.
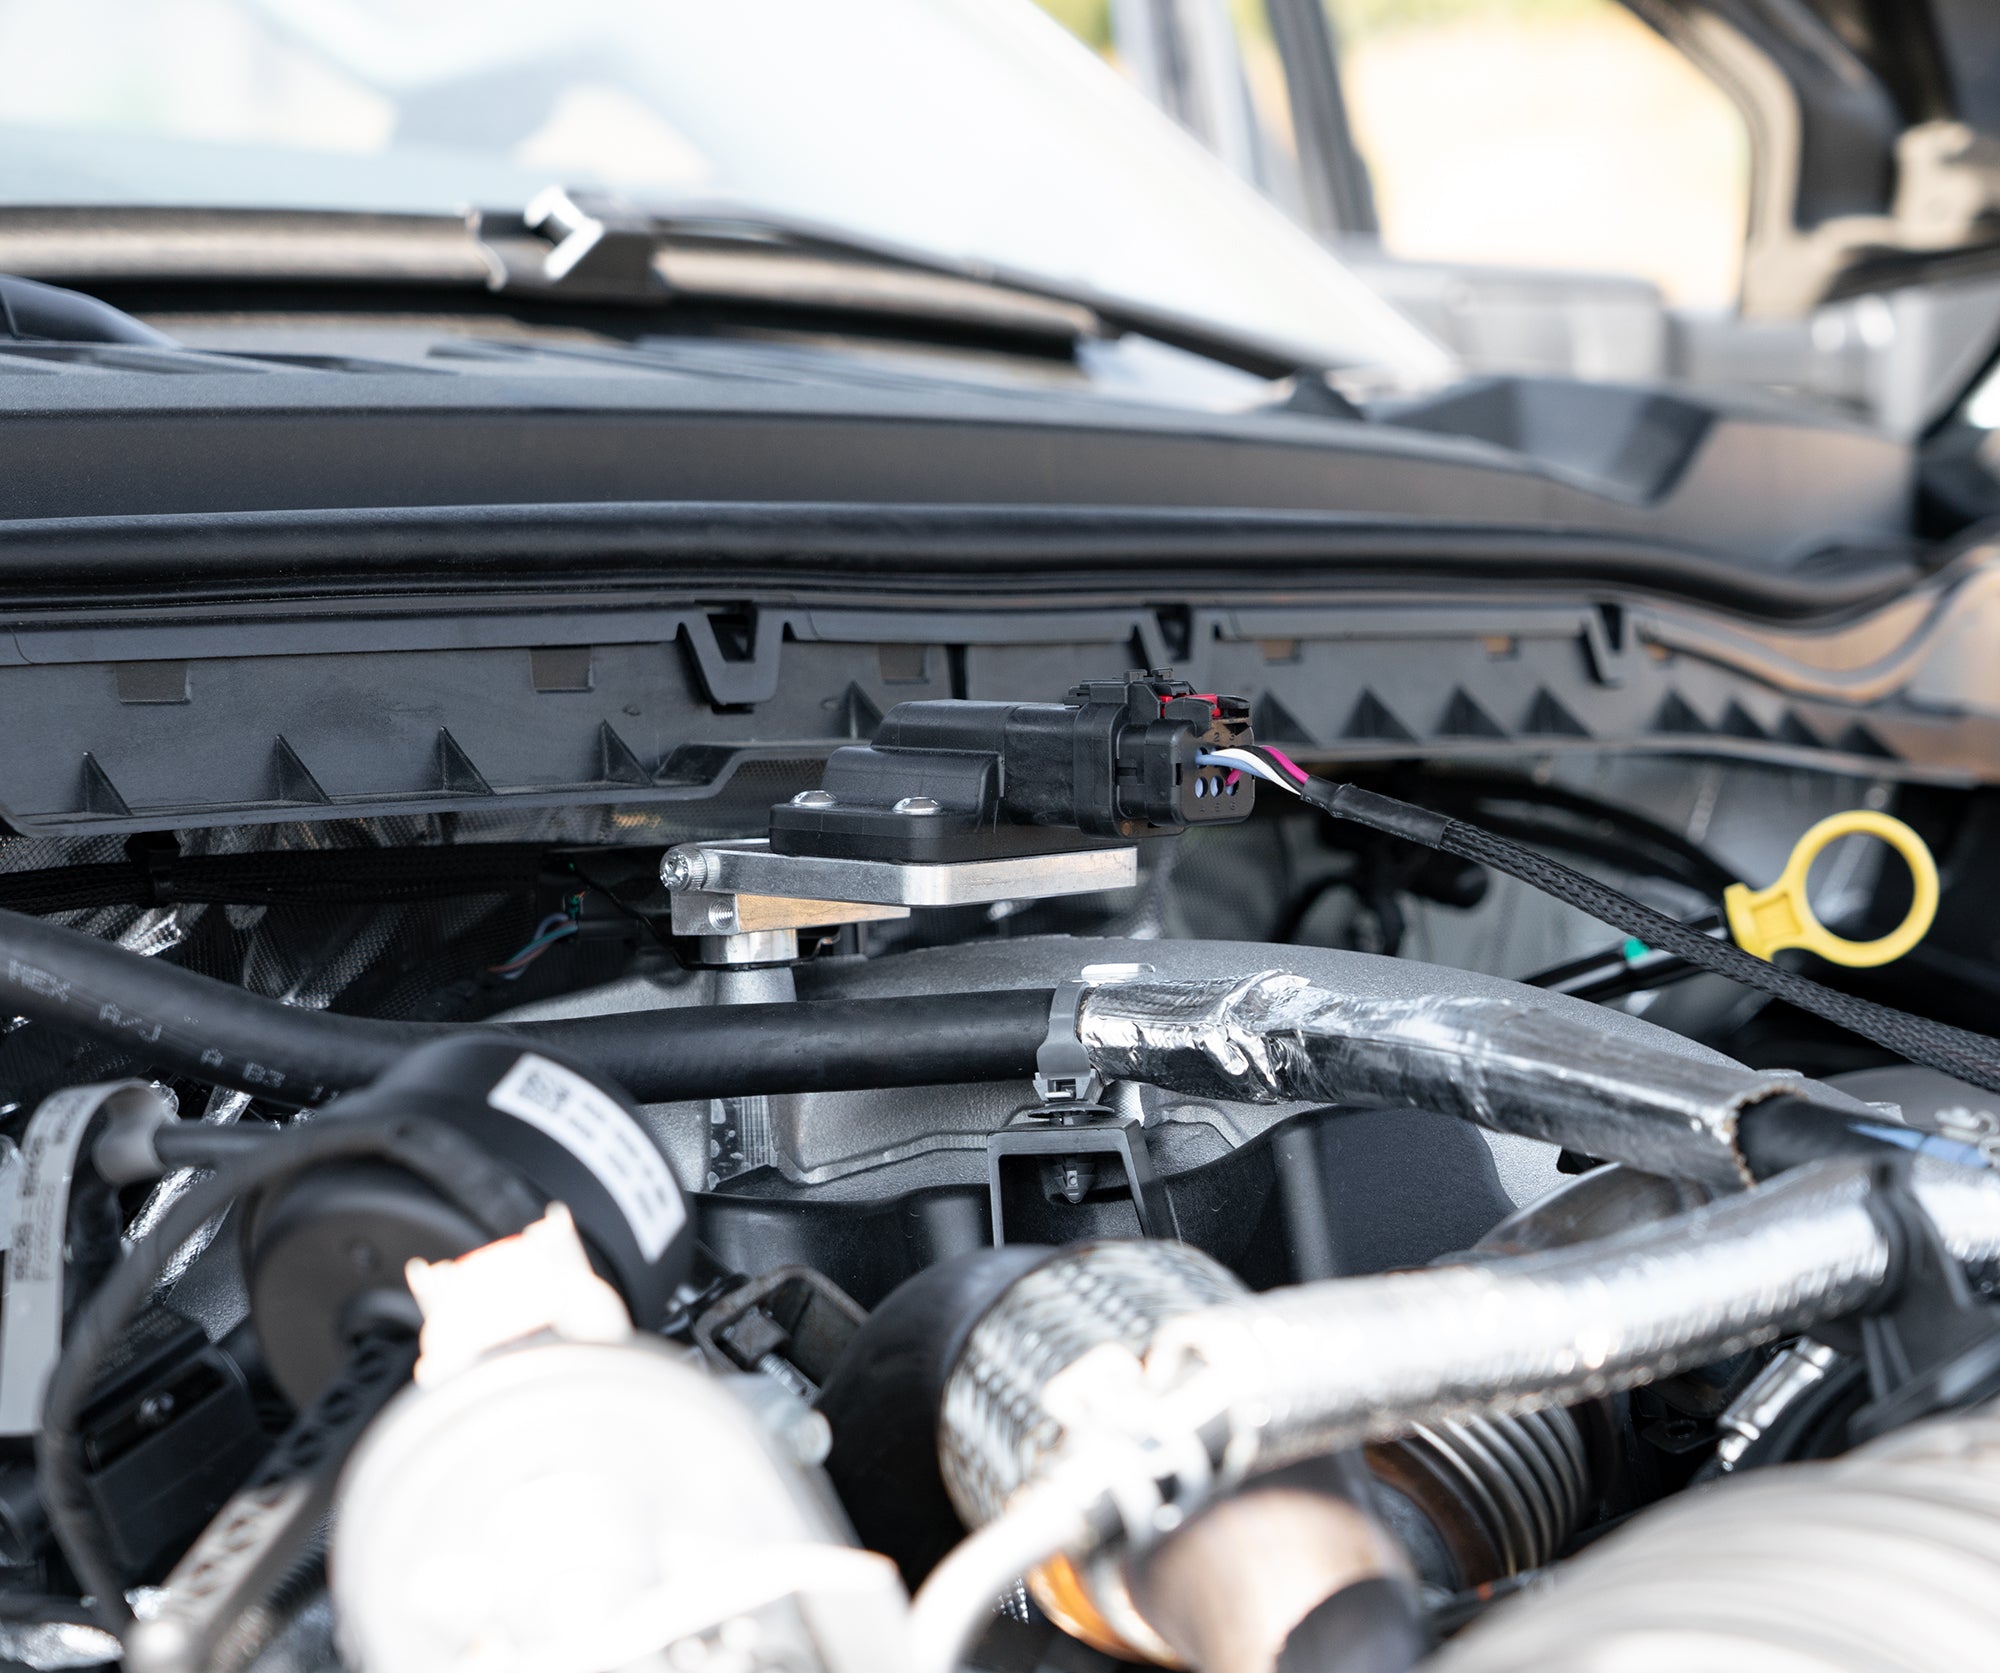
1924	1144
551	930
1269	775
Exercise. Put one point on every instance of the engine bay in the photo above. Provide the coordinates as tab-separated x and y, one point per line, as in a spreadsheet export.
1066	1186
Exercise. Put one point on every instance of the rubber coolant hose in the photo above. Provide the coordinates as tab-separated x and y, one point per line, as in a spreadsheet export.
190	1024
811	1045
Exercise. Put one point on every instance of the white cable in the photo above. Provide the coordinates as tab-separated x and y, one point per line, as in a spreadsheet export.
1243	761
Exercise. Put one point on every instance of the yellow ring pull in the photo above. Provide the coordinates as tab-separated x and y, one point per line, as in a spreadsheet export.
1764	920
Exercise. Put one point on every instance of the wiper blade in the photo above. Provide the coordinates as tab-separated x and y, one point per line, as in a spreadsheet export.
575	249
87	246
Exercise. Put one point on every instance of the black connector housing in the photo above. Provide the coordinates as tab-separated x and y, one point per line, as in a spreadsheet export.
169	1433
947	781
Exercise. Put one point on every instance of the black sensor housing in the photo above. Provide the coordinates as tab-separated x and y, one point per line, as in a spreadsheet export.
959	780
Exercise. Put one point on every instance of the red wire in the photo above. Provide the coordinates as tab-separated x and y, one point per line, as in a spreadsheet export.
1214	700
1285	761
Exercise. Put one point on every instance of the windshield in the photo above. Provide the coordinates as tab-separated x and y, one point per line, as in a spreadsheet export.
976	130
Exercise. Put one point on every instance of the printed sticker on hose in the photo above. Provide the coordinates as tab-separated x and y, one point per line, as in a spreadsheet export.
603	1137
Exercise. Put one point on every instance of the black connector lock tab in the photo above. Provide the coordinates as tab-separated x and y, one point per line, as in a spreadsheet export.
953	781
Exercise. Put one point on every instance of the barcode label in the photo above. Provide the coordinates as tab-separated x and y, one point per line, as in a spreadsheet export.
604	1138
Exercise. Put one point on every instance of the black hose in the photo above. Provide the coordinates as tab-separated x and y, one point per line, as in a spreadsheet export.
490	1196
816	1045
309	877
190	1024
203	1144
34	1609
1783	1133
179	1020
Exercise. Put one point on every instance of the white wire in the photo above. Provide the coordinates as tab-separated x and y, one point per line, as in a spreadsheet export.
1243	761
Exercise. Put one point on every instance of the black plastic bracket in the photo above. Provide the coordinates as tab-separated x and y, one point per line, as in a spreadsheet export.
1930	1344
791	1323
1067	1133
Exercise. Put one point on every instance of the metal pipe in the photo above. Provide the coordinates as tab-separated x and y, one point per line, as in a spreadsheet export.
1227	1590
1261	1381
1219	1591
1325	1366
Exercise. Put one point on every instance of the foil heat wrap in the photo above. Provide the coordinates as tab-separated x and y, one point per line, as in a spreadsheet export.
1508	1065
1329	1365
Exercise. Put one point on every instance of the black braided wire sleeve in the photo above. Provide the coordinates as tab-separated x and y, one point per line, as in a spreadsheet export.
1970	1057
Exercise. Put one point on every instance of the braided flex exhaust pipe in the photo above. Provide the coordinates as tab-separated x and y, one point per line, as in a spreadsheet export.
1250	1385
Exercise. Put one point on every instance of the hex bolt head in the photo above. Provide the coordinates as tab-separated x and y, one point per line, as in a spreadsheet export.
918	805
678	871
813	798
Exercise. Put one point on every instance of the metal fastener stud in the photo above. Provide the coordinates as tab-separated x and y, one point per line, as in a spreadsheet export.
681	870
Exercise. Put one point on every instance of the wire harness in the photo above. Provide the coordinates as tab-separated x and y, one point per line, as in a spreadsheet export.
1958	1052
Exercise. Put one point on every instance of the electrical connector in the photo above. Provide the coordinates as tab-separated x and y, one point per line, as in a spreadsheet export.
952	780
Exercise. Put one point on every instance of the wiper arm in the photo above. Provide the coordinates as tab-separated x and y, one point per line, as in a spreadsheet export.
749	254
580	248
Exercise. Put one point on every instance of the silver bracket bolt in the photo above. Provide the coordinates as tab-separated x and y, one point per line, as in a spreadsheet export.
813	798
917	804
678	871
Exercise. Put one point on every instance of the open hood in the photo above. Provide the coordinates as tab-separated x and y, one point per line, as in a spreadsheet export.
1875	136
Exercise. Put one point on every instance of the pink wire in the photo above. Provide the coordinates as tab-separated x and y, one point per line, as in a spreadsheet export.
1277	755
1285	761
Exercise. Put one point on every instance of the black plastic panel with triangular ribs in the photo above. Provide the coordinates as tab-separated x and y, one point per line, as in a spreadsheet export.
660	701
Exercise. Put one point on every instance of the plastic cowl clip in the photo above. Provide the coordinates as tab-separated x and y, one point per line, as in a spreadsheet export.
1765	920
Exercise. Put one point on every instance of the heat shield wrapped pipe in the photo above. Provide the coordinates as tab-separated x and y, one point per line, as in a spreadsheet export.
1324	1366
1510	1066
1514	1065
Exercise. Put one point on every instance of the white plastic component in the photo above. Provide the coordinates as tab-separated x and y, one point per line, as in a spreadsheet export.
506	1291
566	1508
31	1324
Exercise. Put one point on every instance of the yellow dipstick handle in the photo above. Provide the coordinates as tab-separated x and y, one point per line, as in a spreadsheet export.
1764	920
